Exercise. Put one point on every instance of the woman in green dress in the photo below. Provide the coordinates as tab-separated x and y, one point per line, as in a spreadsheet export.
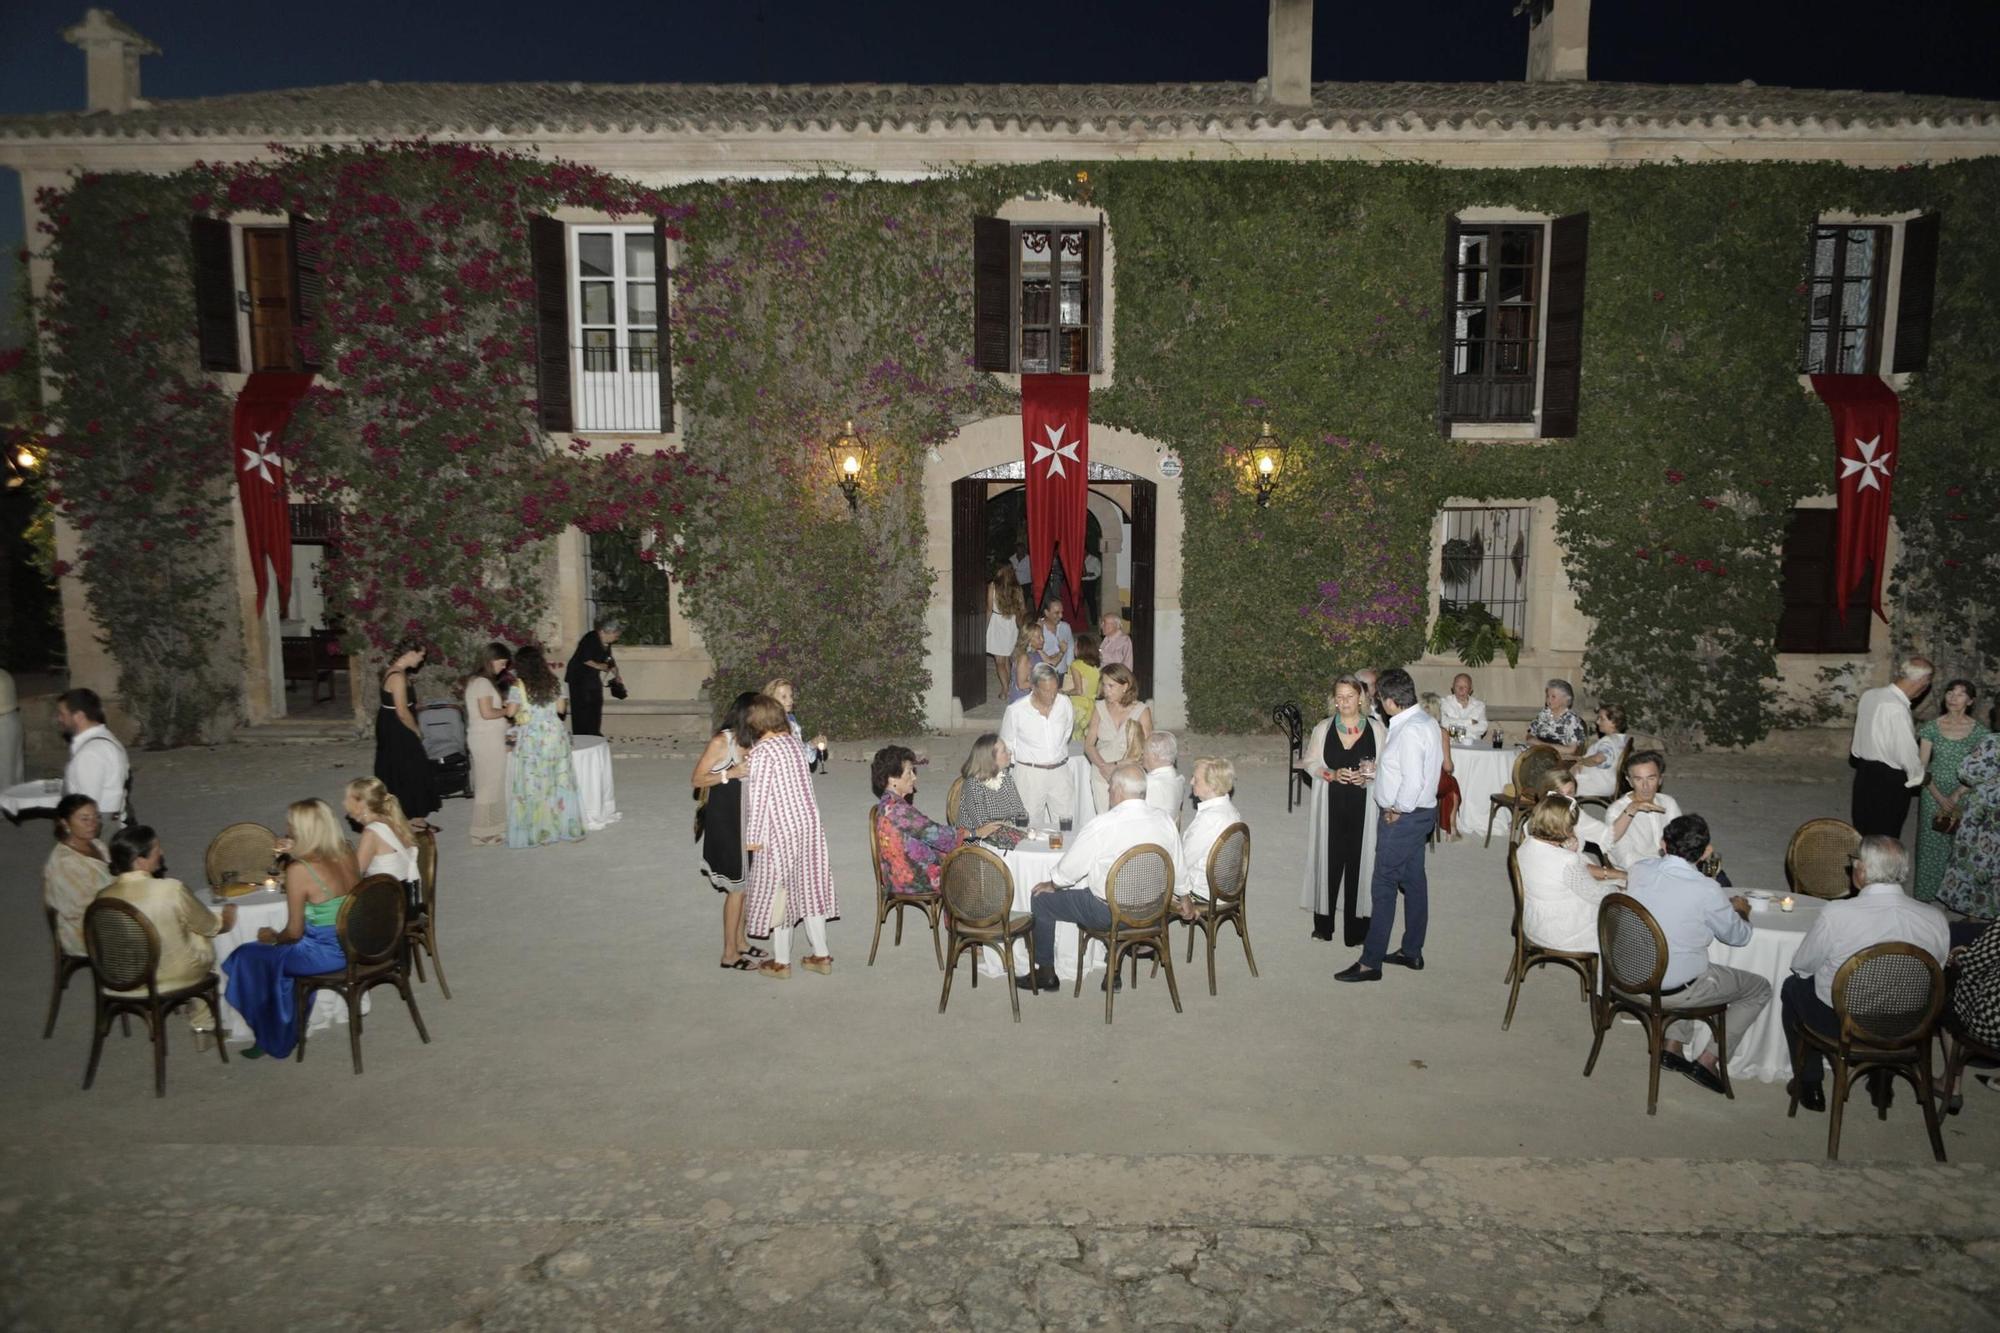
1942	744
542	802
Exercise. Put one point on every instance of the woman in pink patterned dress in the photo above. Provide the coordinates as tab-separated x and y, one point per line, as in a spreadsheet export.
789	880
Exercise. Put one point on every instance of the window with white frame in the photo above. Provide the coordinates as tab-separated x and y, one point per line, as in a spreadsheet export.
615	314
1869	291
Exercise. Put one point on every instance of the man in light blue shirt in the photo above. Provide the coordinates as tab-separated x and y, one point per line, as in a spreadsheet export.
1692	912
1058	640
1405	790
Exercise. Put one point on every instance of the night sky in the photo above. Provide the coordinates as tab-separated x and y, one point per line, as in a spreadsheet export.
1931	46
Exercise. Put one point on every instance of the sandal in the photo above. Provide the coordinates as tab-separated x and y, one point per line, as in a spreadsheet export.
754	952
775	971
740	965
820	963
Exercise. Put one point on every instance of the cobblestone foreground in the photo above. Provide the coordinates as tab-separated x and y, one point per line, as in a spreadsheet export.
339	1238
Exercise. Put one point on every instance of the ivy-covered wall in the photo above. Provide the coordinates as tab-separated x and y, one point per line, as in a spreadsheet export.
1307	294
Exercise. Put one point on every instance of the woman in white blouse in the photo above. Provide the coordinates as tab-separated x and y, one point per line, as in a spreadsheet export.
1214	785
1597	767
1560	891
388	846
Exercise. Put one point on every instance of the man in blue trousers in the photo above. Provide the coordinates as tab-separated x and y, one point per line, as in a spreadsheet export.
1405	790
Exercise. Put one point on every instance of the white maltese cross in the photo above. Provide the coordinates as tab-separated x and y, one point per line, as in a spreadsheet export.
1873	470
261	459
1055	451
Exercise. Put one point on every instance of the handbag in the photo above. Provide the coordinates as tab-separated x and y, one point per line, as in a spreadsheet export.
618	690
1946	821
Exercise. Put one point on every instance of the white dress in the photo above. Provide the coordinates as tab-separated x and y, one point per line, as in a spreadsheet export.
1001	633
398	862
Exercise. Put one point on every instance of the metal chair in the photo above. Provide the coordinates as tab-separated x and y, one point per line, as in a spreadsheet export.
420	926
1228	882
1887	999
240	854
978	895
1819	857
1297	781
370	926
1518	797
886	902
1139	890
1528	954
1632	950
67	965
952	799
124	963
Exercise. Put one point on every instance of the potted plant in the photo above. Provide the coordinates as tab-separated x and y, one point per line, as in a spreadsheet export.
1474	634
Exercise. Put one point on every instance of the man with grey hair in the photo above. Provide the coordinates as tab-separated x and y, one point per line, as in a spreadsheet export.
1165	788
1881	913
1887	768
588	668
1076	893
1557	724
1036	730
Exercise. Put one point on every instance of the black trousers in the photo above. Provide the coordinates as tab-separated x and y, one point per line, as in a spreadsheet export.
1799	1006
1881	801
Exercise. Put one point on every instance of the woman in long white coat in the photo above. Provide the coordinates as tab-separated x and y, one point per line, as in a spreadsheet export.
1340	838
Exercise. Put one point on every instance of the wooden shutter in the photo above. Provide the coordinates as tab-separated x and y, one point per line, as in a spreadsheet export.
663	301
1809	621
308	292
214	273
1449	321
1913	307
1095	237
1145	531
969	577
992	294
1562	345
549	259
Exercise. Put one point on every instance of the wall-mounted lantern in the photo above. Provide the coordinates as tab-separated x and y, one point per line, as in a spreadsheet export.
850	459
1267	460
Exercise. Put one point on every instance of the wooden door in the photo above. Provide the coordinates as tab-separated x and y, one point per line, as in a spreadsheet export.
1145	522
267	271
969	669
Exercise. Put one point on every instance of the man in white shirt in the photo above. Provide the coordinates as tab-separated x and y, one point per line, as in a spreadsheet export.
1405	791
1076	893
98	764
1214	787
1024	570
1036	729
1887	769
1164	788
1639	818
1093	576
1460	712
1881	914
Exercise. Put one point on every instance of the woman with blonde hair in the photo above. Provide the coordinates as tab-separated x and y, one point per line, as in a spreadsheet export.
1560	891
1005	610
388	846
1026	642
786	694
1119	726
1340	837
1082	682
319	875
989	793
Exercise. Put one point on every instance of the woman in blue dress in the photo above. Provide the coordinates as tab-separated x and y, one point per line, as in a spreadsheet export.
318	878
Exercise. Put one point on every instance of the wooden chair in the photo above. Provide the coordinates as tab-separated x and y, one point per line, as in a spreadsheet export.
1622	784
420	925
124	963
370	927
978	895
1819	858
1959	1049
1228	881
1632	950
886	902
240	854
1528	954
67	965
1887	998
952	799
1297	781
1517	798
1140	892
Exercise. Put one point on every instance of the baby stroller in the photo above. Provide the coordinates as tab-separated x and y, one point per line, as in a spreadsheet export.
443	728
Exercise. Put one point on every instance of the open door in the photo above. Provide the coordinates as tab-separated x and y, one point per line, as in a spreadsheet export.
969	668
1145	521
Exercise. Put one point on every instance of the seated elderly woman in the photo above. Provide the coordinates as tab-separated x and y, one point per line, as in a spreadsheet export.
989	797
1214	787
1557	724
77	870
1560	891
1597	770
1165	789
913	847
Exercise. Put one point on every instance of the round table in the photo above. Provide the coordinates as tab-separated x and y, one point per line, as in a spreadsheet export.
265	907
594	787
1775	936
27	798
1029	864
1481	771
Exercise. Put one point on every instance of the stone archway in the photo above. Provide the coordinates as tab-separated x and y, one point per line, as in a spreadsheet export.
996	441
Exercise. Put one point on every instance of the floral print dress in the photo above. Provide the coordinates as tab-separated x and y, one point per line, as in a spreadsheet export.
1934	848
1972	879
913	846
1564	728
542	802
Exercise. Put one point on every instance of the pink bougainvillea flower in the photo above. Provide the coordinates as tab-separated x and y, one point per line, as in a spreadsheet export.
1675	476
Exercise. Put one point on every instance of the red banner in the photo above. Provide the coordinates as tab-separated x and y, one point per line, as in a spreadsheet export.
1865	412
263	410
1055	450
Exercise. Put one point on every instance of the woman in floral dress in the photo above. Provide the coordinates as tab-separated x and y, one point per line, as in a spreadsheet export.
1972	880
790	881
542	803
1943	743
913	847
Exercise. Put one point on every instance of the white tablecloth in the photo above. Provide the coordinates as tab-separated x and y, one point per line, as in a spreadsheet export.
267	907
1029	864
1083	808
594	787
1481	771
1774	937
41	794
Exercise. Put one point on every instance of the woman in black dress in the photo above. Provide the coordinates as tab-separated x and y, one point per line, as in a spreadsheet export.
400	760
588	667
1340	853
718	782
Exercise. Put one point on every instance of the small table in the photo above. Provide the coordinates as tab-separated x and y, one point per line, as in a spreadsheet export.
265	907
27	799
1481	771
1775	936
1029	864
595	790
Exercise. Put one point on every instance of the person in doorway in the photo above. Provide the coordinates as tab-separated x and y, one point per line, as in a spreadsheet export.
1005	610
1888	767
1092	580
1405	795
1024	570
98	765
791	882
1058	642
1114	647
400	759
590	666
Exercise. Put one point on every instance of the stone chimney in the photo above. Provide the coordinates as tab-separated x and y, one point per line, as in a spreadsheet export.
1558	40
1289	81
111	52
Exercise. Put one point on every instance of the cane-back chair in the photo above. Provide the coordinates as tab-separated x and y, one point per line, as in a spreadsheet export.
1518	797
1139	891
951	800
1228	882
1887	999
240	854
1529	954
925	901
420	926
124	964
978	894
1819	859
67	966
1632	950
370	927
